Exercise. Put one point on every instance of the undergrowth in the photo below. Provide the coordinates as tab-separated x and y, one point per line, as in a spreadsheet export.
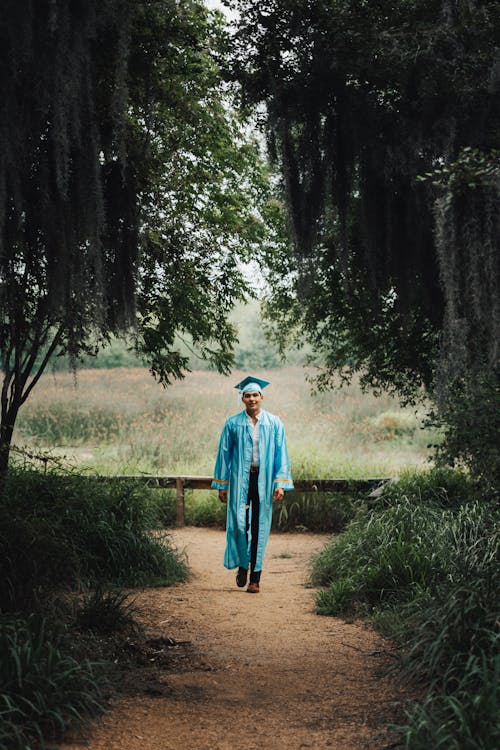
64	530
67	546
44	691
316	512
423	563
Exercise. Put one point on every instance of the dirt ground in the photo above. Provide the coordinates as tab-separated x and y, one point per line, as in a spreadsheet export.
249	671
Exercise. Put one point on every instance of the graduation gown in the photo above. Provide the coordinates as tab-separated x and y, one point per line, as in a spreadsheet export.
232	473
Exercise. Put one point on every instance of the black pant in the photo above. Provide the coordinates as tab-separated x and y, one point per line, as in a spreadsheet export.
254	502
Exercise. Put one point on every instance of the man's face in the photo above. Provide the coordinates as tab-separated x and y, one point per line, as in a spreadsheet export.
252	401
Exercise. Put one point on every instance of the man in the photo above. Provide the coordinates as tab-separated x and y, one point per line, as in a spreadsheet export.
251	470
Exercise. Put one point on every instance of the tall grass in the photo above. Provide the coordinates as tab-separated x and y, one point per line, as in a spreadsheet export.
121	421
322	512
61	530
43	691
466	718
424	564
378	560
60	535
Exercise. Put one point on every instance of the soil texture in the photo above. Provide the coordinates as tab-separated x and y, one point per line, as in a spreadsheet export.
222	669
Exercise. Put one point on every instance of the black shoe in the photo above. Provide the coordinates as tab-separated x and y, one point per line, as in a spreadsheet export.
241	577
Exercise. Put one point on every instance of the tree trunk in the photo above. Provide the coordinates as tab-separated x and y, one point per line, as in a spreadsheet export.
6	432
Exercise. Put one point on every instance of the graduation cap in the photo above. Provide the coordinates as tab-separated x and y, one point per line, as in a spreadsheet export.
251	383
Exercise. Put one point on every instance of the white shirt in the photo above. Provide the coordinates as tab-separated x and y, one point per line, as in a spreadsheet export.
255	438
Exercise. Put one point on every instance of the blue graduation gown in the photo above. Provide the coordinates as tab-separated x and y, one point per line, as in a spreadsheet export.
232	473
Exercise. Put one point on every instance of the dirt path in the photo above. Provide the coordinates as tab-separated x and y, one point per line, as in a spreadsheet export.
272	674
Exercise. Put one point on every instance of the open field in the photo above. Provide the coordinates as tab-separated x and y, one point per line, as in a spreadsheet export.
121	421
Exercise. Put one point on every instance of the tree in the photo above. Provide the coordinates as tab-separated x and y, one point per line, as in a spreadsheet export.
115	128
467	387
361	100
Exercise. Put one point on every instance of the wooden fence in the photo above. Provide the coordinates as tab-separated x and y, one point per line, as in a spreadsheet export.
182	483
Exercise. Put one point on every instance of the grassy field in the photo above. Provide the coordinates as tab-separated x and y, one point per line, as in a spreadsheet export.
121	421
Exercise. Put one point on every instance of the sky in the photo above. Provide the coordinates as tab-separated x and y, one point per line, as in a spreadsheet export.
217	5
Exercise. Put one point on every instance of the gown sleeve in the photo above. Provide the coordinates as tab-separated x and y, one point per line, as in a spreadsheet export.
223	461
282	470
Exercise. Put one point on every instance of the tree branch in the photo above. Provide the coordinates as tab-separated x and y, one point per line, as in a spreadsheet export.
55	342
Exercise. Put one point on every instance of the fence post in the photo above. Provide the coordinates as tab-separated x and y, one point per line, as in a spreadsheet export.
179	488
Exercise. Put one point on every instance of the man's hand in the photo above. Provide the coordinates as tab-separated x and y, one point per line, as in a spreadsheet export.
279	494
223	496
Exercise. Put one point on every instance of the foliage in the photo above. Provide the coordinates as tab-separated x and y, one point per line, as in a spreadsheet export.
384	121
459	618
206	510
106	611
380	558
298	512
202	508
441	488
317	511
251	351
468	416
452	641
466	720
424	562
116	352
129	189
205	211
61	151
60	530
43	690
467	388
472	168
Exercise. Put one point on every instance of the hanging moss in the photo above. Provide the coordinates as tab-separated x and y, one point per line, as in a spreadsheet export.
63	74
467	218
362	100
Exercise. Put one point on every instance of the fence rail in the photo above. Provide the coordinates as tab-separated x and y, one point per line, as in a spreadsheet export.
182	483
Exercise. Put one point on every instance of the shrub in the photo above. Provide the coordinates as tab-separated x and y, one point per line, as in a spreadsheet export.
306	512
440	487
459	621
106	612
425	562
467	719
43	691
468	414
164	507
385	556
62	530
315	512
205	509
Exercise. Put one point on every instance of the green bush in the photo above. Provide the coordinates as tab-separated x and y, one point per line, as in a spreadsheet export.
201	508
62	530
424	562
440	487
164	507
305	512
324	512
106	612
460	618
386	556
43	691
468	414
205	509
467	719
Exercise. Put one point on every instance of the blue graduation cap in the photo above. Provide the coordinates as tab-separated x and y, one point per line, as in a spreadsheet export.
251	383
